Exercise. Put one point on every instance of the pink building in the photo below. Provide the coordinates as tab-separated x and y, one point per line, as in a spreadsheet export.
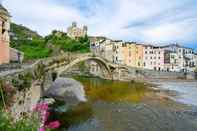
4	35
153	58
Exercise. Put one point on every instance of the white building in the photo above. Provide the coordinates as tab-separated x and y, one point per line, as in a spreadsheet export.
180	58
118	52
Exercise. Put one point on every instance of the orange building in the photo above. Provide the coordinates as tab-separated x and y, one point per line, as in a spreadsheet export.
4	35
134	54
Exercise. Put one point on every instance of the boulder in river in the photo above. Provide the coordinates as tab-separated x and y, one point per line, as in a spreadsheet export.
68	90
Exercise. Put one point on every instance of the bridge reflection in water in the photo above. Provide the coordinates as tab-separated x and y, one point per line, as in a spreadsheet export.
123	106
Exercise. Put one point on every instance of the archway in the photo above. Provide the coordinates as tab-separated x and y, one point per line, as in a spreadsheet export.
98	60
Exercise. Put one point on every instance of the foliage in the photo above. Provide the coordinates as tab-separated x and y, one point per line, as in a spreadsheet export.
23	81
195	70
22	33
65	43
36	47
22	125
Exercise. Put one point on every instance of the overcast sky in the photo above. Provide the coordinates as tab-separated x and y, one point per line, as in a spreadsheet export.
159	21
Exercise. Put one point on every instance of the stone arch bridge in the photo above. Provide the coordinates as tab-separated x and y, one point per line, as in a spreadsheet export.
30	82
44	69
66	61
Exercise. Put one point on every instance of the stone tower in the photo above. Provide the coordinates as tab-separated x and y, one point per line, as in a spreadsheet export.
74	24
4	35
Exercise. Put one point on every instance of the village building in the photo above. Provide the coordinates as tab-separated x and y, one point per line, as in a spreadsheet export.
4	35
153	57
134	54
76	32
118	52
179	58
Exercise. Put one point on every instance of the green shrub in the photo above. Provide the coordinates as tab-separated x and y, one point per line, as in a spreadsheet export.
6	123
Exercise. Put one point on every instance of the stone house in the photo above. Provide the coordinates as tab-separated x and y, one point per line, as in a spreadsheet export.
76	32
4	35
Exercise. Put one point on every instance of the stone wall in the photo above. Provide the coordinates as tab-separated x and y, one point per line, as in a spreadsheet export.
151	74
22	90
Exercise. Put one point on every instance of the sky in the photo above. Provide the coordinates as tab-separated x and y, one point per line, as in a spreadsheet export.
158	22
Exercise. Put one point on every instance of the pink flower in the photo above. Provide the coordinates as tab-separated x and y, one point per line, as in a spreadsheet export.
42	108
41	129
53	125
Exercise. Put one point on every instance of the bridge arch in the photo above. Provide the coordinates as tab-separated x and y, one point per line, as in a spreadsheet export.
98	60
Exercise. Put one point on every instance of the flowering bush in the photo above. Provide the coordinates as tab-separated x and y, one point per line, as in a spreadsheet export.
42	108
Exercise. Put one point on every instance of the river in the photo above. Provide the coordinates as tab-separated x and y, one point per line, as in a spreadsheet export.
130	106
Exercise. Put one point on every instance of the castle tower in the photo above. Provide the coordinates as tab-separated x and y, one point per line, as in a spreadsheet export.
74	24
4	35
75	32
85	29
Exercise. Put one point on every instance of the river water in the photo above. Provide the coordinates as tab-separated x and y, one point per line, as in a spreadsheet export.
127	106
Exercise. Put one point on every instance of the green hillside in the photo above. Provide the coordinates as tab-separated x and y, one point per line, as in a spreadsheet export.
35	46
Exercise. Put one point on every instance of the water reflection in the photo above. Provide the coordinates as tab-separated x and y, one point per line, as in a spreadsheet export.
113	91
124	106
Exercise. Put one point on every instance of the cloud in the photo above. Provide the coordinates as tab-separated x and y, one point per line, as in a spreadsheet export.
135	20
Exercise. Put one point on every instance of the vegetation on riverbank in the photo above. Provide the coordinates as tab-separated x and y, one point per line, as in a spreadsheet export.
6	122
22	125
35	46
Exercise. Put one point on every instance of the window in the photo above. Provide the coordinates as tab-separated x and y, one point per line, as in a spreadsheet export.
146	52
3	29
159	58
144	64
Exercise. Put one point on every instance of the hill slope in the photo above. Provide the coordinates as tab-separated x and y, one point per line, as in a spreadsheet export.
22	33
35	46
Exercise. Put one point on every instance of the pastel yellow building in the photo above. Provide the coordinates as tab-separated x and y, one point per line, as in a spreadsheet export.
133	54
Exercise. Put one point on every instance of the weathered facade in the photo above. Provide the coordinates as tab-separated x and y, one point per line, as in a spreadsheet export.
4	35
